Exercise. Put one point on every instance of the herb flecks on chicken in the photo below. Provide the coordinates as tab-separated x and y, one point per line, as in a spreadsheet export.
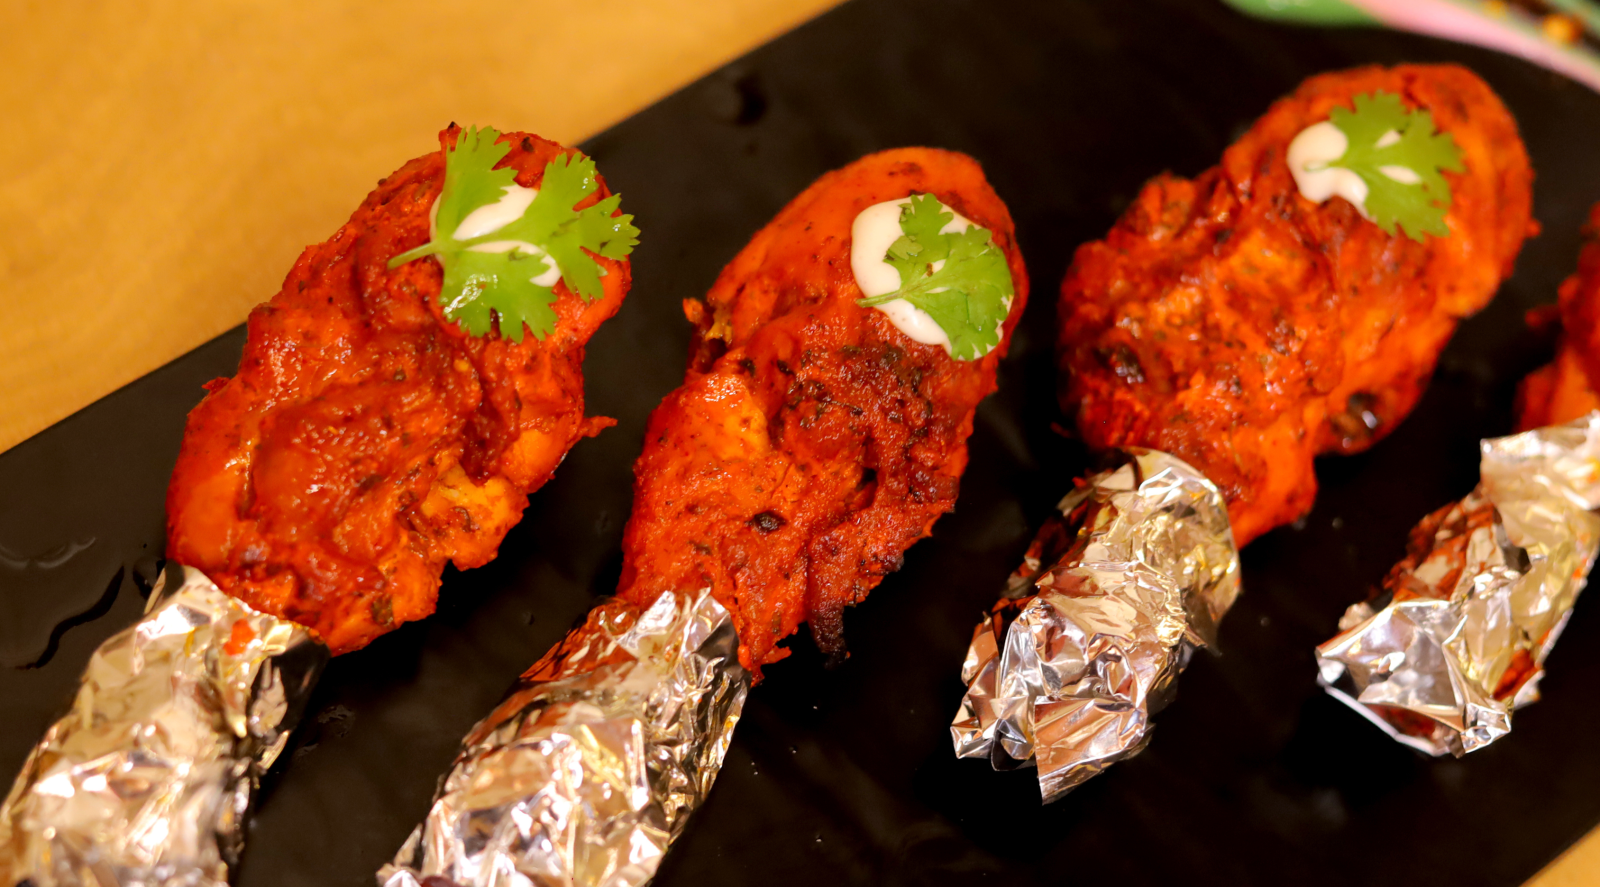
812	442
1228	320
367	439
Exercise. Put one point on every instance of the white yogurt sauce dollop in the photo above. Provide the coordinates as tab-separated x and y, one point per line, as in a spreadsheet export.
1322	143
492	217
876	229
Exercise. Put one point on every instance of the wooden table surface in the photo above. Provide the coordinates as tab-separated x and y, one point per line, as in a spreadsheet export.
169	159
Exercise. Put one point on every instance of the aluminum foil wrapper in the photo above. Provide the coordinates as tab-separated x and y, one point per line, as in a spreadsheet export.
1457	638
591	767
1112	598
147	780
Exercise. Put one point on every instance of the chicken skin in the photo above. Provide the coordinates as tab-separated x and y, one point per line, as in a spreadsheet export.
367	439
812	441
1232	322
1564	389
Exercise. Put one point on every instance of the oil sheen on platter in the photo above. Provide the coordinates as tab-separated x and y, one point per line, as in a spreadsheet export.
846	775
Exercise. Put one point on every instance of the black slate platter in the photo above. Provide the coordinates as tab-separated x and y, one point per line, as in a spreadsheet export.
845	775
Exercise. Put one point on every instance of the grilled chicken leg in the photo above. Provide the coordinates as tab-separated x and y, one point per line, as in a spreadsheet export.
1564	389
367	439
1232	322
812	441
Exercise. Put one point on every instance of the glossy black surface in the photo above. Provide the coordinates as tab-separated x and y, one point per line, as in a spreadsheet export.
846	776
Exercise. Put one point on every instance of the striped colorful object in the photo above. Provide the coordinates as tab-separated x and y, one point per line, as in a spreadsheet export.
1562	35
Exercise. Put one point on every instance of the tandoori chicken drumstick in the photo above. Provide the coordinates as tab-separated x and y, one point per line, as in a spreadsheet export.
1288	302
1237	324
821	430
1454	641
391	412
368	437
813	440
1565	388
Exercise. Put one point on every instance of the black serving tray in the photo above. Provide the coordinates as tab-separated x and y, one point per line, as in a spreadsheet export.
845	776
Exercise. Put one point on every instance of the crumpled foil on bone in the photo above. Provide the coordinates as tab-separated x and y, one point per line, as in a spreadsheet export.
586	773
1457	639
147	779
1112	598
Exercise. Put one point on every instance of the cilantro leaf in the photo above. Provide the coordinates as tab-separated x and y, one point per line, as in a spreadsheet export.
477	283
968	295
488	285
562	232
470	179
1402	158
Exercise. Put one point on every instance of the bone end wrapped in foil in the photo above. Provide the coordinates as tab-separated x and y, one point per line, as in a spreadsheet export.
1112	598
147	780
591	767
1456	640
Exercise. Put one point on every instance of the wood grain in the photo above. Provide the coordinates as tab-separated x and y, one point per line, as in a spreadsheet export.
169	159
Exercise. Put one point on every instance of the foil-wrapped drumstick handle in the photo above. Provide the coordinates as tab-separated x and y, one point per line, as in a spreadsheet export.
589	770
1457	639
1112	597
147	779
